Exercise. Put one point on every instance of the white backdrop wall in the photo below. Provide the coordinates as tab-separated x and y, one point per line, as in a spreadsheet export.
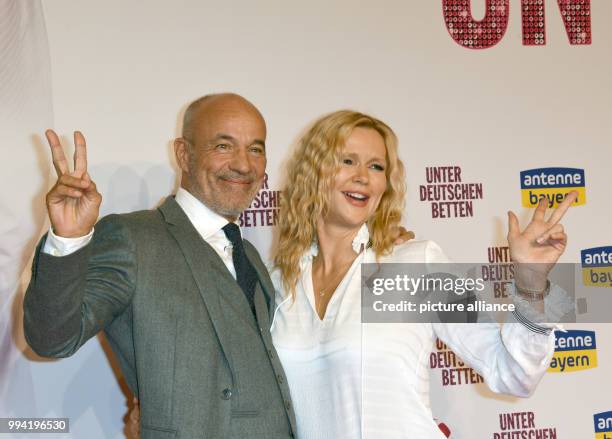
122	72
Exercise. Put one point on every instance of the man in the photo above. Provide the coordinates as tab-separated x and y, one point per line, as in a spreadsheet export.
183	301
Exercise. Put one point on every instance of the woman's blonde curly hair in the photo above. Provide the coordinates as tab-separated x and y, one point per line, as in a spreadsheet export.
310	179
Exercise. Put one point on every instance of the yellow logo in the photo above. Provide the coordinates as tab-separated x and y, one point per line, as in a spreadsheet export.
597	266
553	184
574	350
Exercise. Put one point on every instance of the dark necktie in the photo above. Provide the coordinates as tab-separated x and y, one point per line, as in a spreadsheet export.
245	273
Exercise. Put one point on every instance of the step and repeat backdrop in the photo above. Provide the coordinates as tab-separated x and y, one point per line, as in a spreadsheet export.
495	103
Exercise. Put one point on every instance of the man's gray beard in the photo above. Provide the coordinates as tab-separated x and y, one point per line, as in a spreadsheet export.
220	209
223	211
211	204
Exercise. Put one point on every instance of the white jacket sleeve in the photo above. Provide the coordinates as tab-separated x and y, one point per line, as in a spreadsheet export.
512	358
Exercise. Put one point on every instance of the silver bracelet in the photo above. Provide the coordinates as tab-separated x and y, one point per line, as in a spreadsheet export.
533	295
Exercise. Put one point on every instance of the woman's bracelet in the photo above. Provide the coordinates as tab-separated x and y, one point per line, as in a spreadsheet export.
533	295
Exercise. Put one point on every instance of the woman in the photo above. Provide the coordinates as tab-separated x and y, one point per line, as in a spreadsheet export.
344	195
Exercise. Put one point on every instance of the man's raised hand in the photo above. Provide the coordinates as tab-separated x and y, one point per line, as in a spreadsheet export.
73	202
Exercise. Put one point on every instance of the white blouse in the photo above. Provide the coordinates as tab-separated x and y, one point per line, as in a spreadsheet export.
352	380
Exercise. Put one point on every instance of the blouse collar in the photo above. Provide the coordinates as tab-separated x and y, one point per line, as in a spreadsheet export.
360	241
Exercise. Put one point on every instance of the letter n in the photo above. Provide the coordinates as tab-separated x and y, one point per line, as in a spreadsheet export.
576	16
473	34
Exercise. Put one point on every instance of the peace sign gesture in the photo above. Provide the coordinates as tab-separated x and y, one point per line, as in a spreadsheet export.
541	244
74	202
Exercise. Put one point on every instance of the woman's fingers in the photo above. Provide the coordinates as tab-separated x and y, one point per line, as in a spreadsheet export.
557	228
558	241
513	226
540	210
562	208
555	236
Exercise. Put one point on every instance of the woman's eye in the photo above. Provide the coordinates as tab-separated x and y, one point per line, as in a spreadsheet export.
347	161
378	167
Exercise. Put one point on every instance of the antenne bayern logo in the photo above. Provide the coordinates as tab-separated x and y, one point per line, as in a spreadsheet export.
603	425
553	184
597	266
574	350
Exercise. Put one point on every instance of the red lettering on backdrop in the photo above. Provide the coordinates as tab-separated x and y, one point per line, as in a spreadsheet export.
534	23
473	34
576	16
489	31
577	19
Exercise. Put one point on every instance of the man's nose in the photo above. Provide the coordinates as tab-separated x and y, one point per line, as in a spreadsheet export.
240	161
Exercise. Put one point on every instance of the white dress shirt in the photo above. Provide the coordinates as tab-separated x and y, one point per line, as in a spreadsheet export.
208	224
351	380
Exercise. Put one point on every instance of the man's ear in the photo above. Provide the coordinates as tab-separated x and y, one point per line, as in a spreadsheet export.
182	154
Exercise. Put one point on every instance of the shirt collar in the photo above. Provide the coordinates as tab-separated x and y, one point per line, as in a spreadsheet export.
359	241
205	221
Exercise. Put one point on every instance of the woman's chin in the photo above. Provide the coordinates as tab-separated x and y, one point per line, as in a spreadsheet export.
351	223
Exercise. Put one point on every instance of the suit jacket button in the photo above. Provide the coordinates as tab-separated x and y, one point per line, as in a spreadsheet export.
226	394
279	377
288	405
270	354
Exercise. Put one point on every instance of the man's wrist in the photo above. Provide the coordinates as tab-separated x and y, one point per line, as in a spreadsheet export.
75	234
61	246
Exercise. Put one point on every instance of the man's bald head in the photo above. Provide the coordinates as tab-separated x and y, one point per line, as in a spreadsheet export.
203	107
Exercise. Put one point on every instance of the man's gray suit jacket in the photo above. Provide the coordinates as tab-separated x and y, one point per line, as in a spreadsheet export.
179	324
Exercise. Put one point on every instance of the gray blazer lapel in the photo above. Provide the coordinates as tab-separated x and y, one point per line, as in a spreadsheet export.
216	285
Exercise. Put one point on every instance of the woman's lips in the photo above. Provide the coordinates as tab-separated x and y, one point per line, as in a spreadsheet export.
356	198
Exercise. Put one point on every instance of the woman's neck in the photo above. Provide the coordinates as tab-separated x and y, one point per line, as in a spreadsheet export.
335	246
